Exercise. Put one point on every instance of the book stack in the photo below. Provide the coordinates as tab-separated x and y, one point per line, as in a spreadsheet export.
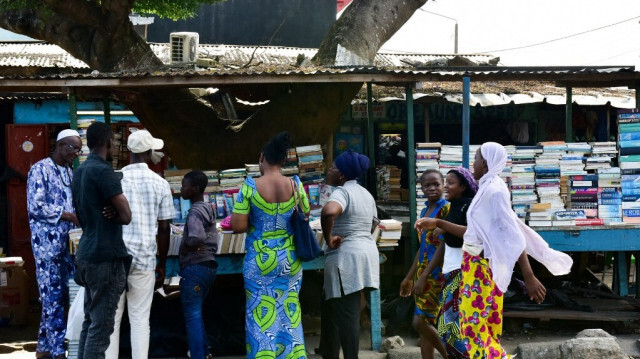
230	243
310	163
390	233
290	166
120	150
232	178
382	183
540	215
472	155
547	175
602	154
427	156
82	131
450	158
506	172
523	179
609	195
395	191
583	194
572	164
629	162
252	170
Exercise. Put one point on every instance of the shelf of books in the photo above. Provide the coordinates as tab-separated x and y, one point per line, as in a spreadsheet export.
558	184
223	185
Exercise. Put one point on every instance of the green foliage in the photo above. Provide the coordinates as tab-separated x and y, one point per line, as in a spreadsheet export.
172	9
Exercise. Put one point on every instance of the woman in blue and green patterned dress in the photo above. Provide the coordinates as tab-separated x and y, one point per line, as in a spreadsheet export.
272	272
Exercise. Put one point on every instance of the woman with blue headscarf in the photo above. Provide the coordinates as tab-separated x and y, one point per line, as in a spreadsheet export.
351	263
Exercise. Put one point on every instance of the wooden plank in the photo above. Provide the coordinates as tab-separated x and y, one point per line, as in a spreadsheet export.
605	239
548	314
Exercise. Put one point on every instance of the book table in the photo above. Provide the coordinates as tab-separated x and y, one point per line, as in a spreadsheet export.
617	238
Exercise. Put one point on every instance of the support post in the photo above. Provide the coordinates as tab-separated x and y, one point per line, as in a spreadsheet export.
466	119
455	41
427	123
370	142
638	94
73	117
622	274
106	104
569	116
411	167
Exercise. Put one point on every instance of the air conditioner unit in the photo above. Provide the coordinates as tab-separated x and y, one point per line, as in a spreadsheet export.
184	47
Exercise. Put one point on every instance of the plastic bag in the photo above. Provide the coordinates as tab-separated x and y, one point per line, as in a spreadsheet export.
76	316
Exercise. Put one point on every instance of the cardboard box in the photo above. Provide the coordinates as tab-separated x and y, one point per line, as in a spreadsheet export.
13	296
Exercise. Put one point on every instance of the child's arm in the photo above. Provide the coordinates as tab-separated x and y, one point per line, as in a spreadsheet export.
407	283
197	234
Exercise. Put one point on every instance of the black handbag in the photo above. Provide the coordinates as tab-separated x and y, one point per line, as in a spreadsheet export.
307	247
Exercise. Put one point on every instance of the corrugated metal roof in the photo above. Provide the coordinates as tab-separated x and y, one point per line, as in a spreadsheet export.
49	55
38	54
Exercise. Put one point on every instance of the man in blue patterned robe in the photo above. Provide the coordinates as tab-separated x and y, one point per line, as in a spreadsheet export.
51	216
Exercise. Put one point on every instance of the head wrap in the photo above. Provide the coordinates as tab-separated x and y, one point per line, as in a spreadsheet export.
496	157
493	227
67	133
467	179
352	164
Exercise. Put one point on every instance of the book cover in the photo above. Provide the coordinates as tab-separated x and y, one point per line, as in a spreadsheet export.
631	212
220	206
609	201
629	136
569	215
631	198
630	191
610	195
590	222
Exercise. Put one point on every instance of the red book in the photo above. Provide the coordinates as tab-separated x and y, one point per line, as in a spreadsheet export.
590	222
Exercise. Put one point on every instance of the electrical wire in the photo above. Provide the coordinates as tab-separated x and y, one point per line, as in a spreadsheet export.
560	38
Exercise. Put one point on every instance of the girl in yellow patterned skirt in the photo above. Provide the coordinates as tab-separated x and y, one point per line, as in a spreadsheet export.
427	287
494	241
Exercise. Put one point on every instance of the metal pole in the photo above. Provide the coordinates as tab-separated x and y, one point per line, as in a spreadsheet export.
568	137
455	48
466	119
371	152
106	110
73	117
637	94
411	167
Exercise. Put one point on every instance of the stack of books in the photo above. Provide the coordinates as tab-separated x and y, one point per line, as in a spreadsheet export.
390	233
382	183
253	170
310	163
609	195
82	131
583	194
540	215
547	171
230	243
629	161
506	172
427	156
602	154
290	166
395	191
232	178
572	164
450	158
523	179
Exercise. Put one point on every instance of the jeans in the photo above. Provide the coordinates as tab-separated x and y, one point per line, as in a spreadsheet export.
194	286
138	300
104	282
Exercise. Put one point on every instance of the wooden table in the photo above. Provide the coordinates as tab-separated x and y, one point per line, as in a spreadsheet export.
618	239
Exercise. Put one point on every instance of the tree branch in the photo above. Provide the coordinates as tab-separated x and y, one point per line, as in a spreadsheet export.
83	12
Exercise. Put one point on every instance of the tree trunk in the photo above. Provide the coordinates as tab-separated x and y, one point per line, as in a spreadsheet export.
195	137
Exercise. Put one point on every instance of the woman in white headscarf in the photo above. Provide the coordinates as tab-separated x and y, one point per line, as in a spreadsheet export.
494	241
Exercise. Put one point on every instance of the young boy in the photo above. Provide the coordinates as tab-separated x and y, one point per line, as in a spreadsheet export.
197	261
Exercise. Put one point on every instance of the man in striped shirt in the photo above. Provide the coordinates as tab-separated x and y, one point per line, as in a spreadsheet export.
151	205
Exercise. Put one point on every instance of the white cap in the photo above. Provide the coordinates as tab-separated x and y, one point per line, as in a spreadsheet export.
142	141
67	133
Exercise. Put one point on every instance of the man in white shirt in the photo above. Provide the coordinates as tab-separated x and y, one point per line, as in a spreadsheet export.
151	206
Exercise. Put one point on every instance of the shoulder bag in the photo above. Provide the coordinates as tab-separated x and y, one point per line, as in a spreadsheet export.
307	247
